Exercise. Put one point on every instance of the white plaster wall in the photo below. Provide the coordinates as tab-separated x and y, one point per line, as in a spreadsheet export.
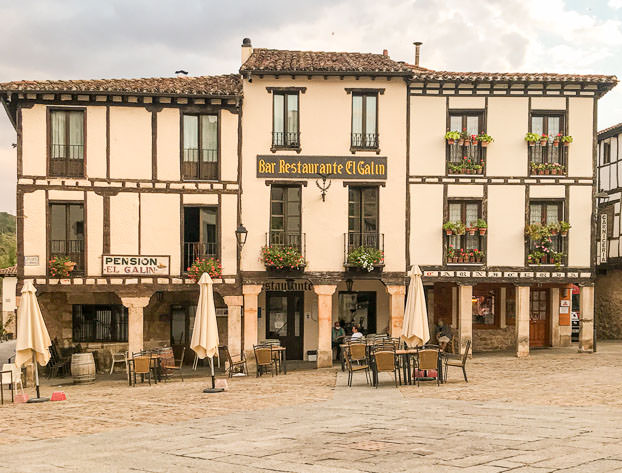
428	123
579	236
228	245
96	141
581	128
34	231
158	236
547	192
200	199
457	190
471	103
130	143
94	232
507	123
228	146
426	239
168	144
65	195
34	141
124	223
506	226
548	103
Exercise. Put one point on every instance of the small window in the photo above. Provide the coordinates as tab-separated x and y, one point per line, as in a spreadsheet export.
285	122
364	120
200	234
544	154
545	213
67	233
200	148
484	306
66	143
363	217
99	323
467	213
606	153
285	218
466	156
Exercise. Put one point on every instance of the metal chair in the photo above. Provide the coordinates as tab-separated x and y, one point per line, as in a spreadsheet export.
356	368
232	366
12	375
457	361
170	364
119	357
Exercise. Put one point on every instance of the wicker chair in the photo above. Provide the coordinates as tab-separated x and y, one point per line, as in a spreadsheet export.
458	361
264	360
385	362
356	368
427	360
142	366
357	352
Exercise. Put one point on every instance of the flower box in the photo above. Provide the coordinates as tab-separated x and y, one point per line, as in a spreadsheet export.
378	268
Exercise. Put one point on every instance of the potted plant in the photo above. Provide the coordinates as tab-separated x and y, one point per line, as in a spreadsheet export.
61	266
554	228
474	140
482	226
532	138
558	258
557	140
449	228
366	258
537	231
479	255
564	227
210	266
451	254
566	140
459	228
544	139
452	137
485	139
472	228
546	168
463	136
454	168
477	168
282	258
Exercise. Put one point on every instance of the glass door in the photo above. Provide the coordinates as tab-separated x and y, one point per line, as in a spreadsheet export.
285	321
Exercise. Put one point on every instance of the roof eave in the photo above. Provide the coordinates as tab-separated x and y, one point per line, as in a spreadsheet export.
325	73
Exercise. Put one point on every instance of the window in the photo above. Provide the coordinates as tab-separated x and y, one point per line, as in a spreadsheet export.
466	158
364	120
466	212
99	323
606	153
285	123
66	143
200	234
285	218
510	305
200	153
67	233
545	213
550	125
484	306
363	217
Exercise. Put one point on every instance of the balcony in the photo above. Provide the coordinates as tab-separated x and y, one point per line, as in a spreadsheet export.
364	141
285	140
285	253
194	250
547	159
73	249
287	240
465	158
66	160
363	251
200	164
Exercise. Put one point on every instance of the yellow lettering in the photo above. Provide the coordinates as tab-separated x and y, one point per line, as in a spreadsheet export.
380	169
349	167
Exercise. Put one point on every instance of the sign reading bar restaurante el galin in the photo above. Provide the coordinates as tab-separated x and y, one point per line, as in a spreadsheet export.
336	167
127	265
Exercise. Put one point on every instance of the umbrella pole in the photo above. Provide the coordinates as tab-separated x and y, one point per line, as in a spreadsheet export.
213	389
38	398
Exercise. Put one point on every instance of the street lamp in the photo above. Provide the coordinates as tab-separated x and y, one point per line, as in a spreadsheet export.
240	235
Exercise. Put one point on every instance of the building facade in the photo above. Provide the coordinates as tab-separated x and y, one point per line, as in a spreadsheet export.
608	299
339	160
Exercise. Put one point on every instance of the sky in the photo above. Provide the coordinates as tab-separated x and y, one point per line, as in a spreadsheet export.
92	39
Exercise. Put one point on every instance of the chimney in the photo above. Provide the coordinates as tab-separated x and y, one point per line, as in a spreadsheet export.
247	49
385	52
417	51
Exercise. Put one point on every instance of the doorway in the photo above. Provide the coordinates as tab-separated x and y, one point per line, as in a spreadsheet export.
539	319
358	308
182	323
285	321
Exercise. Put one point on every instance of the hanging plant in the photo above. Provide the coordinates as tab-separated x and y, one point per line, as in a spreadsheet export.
366	258
210	266
282	258
564	227
452	137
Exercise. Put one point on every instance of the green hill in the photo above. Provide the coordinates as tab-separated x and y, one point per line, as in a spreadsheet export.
8	242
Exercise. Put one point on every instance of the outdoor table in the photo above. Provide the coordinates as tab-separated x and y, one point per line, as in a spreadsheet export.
406	355
282	355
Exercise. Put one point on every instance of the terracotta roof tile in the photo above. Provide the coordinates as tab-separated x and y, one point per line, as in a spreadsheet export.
229	84
616	127
278	60
10	271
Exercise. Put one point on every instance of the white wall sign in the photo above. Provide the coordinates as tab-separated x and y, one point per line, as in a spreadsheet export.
603	238
128	265
31	261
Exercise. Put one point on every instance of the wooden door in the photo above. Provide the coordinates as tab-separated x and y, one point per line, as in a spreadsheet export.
285	321
539	319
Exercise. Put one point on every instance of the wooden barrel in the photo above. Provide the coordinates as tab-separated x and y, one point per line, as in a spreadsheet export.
82	368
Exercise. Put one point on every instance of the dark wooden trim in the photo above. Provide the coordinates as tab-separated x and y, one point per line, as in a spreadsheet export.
140	214
286	89
85	219
285	183
108	142
106	225
20	144
48	232
347	183
20	230
407	184
154	145
219	220
364	90
239	193
594	213
9	108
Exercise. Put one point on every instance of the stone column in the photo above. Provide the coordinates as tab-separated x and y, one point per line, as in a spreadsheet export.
522	321
586	307
234	323
396	309
250	291
135	322
324	324
554	311
465	316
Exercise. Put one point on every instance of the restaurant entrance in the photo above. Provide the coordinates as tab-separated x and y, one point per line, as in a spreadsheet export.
539	318
358	308
285	320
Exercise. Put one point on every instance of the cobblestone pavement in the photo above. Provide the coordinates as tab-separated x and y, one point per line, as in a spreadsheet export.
556	411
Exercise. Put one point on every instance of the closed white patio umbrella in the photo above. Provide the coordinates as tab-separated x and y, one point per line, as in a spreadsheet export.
33	340
204	340
415	330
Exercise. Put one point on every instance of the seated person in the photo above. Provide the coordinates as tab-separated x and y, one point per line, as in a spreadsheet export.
443	334
356	335
338	337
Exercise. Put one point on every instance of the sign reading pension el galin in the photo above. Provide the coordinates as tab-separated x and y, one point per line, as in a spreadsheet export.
128	265
336	167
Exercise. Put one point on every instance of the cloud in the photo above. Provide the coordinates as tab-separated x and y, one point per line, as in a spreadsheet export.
615	4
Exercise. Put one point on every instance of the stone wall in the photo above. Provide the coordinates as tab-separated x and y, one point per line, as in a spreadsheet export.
608	305
494	339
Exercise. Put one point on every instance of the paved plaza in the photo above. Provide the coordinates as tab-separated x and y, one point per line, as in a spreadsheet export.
555	411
